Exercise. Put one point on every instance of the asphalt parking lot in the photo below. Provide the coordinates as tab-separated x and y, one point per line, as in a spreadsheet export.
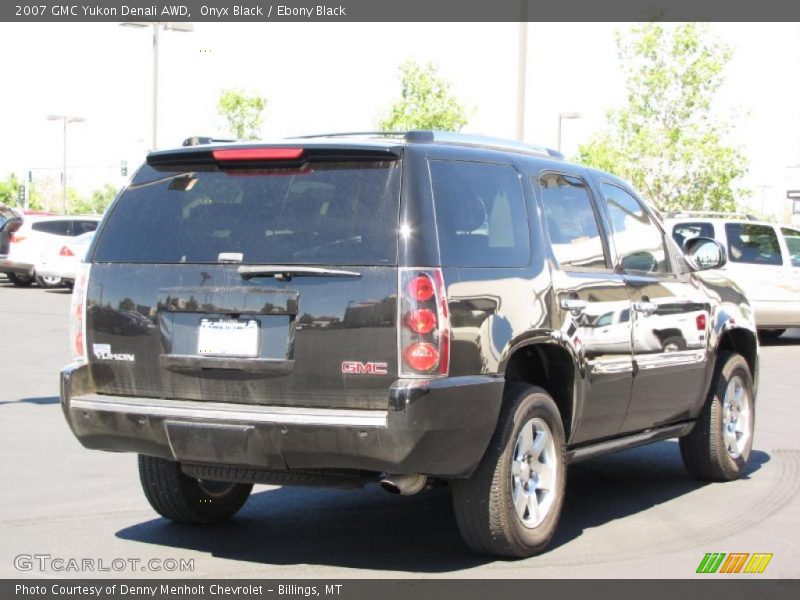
629	515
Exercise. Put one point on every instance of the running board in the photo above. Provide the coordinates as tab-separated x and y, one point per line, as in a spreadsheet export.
629	441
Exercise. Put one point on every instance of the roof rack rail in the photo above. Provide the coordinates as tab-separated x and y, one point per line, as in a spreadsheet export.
711	213
196	140
481	141
449	137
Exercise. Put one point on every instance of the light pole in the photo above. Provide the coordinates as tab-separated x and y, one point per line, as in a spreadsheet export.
182	27
66	120
522	67
561	117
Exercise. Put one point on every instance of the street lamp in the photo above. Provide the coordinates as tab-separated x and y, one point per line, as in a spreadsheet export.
182	27
561	117
66	120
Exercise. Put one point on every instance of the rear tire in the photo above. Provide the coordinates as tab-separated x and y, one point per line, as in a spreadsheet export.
20	280
49	282
718	447
183	499
511	505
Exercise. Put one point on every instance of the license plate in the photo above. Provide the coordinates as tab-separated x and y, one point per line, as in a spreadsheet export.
227	337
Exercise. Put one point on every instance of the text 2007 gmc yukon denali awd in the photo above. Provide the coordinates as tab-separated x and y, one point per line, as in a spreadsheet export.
340	310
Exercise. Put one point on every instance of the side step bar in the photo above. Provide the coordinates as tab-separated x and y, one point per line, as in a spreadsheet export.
629	441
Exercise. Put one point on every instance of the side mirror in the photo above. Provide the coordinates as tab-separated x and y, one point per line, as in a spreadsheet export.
705	253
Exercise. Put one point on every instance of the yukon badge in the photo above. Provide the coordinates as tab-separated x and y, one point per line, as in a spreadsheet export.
103	352
354	367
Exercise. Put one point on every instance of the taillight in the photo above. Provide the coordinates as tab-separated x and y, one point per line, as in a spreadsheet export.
16	238
701	322
77	315
237	154
424	323
66	252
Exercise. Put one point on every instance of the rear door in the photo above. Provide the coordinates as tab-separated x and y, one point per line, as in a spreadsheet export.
263	282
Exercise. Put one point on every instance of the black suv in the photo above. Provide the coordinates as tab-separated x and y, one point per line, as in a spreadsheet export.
404	310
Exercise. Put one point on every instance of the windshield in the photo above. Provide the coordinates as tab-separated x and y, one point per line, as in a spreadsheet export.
343	213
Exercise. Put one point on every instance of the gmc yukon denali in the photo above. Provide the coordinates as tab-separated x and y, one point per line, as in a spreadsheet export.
403	309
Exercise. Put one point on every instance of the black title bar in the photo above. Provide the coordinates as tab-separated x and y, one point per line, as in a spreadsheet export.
398	10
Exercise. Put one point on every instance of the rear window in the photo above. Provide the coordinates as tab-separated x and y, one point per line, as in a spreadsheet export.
343	213
792	237
753	244
480	214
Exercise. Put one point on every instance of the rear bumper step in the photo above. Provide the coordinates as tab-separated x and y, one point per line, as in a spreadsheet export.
438	428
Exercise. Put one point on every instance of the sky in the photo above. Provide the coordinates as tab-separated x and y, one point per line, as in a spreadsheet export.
322	77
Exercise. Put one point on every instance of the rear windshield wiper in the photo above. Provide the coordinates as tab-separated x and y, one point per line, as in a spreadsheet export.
286	272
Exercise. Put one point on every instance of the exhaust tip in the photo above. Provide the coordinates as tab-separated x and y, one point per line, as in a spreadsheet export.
405	485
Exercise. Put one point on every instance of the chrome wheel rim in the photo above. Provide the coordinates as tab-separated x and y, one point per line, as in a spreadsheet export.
215	489
737	417
534	472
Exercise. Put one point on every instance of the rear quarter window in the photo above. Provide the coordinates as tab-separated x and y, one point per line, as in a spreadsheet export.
52	227
480	214
340	213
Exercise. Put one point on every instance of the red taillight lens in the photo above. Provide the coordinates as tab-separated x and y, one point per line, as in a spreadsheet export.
14	239
421	356
421	288
78	314
421	321
66	252
258	154
701	322
424	334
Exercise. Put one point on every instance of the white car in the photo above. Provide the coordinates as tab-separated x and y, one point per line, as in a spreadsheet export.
64	263
37	237
763	258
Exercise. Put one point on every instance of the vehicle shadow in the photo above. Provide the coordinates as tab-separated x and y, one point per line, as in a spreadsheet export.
43	400
369	529
790	338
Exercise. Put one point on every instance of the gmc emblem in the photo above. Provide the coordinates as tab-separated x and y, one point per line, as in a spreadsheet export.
353	367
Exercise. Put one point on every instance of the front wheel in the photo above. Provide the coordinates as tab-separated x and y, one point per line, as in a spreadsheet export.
183	499
718	447
511	505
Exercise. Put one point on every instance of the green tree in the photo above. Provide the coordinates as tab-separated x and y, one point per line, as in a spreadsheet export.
245	114
425	102
669	141
96	204
9	191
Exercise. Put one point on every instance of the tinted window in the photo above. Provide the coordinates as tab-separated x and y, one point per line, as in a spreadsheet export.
571	222
480	214
638	240
343	213
792	237
753	244
53	227
81	227
687	231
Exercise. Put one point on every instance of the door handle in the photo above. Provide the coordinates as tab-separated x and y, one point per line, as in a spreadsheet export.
645	306
573	305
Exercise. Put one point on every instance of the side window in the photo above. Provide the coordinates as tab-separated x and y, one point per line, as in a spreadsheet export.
638	240
571	222
81	227
753	244
687	231
52	227
480	214
792	238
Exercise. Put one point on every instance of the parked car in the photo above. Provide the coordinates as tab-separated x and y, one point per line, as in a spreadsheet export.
444	329
64	262
763	258
10	219
35	238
